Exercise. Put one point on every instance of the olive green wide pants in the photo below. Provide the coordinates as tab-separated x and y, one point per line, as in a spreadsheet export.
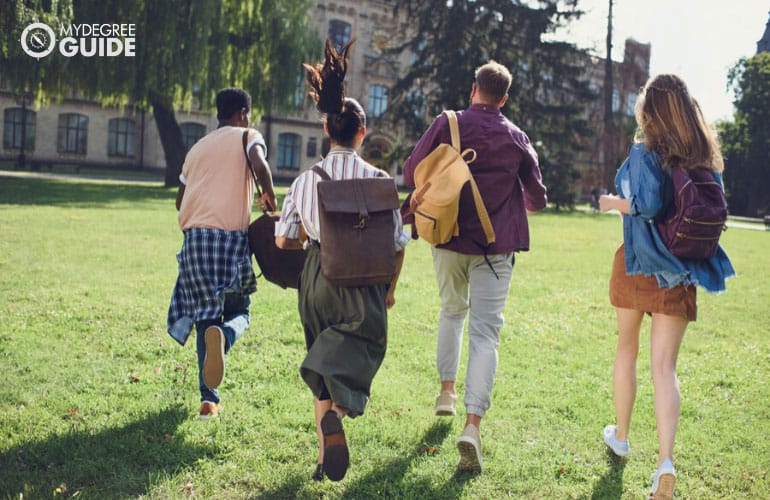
346	332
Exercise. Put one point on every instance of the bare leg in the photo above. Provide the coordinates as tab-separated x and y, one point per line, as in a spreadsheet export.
320	408
448	386
470	418
666	338
624	372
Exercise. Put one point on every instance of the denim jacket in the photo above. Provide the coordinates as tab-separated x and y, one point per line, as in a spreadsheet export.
642	181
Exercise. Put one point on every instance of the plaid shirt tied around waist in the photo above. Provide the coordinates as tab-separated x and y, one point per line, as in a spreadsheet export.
211	262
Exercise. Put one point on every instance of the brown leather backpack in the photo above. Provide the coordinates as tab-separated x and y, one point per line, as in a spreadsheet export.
357	226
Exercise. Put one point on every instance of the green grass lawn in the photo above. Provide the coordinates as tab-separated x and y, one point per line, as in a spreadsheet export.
97	400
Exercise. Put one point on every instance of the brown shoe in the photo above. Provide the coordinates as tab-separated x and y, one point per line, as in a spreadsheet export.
214	361
336	456
208	410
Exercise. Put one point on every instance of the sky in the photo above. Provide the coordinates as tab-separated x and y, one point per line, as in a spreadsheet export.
700	40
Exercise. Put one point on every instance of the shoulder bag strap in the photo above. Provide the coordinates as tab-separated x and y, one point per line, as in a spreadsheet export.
321	173
481	210
250	166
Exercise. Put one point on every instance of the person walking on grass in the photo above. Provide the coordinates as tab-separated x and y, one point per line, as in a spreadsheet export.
646	277
471	276
215	274
345	327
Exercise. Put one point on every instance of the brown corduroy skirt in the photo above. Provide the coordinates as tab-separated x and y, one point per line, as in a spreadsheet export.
642	293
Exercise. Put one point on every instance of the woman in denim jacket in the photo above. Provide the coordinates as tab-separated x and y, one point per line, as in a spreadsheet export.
646	277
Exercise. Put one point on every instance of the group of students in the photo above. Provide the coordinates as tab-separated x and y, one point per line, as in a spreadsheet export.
346	327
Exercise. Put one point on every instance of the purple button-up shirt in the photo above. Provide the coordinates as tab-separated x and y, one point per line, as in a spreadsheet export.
506	172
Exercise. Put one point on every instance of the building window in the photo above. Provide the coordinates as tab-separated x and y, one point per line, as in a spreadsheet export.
631	104
191	133
615	101
289	150
18	127
121	138
312	148
416	102
339	33
73	133
378	100
299	92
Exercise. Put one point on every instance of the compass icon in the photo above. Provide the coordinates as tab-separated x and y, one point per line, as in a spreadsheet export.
38	40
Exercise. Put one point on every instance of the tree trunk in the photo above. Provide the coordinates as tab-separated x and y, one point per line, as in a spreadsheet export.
171	139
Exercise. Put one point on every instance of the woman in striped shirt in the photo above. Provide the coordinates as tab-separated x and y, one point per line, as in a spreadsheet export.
345	327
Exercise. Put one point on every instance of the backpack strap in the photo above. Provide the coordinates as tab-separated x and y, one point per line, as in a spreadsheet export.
321	173
481	210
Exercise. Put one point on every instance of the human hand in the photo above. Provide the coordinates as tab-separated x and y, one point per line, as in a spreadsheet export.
607	202
266	202
390	298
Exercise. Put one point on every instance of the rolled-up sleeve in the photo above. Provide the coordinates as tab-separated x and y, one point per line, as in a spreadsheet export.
645	178
289	225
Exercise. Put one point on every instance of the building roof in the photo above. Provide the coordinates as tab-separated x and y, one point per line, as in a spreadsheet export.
763	45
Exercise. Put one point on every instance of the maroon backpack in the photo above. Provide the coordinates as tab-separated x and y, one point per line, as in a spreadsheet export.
692	224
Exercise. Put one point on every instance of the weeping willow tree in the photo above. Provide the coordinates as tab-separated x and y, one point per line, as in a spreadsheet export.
185	50
449	39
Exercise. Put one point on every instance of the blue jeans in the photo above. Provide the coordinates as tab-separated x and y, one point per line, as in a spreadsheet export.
236	320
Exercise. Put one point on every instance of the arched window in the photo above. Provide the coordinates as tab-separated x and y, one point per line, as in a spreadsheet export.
18	128
191	133
378	100
121	138
289	148
72	133
339	33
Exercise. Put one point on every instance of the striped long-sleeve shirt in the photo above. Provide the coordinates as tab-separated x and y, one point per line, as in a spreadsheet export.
300	207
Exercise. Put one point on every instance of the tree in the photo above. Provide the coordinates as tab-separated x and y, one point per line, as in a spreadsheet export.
449	39
185	51
746	140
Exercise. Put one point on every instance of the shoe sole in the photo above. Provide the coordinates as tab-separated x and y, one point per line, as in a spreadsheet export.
469	457
214	364
445	411
336	455
665	487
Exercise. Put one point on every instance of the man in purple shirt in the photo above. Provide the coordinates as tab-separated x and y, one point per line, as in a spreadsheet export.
473	276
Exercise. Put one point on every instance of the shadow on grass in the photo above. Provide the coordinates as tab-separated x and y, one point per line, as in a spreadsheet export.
113	463
610	485
387	479
18	191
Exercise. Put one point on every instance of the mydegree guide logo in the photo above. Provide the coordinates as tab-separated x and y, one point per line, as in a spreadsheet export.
88	40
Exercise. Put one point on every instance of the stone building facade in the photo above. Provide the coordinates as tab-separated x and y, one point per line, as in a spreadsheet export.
82	132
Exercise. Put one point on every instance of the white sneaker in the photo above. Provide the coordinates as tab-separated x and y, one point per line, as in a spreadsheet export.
469	446
663	481
445	404
618	447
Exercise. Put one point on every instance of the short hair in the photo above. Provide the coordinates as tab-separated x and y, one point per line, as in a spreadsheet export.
493	80
230	101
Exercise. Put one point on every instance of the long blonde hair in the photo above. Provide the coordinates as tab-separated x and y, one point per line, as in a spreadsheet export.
671	124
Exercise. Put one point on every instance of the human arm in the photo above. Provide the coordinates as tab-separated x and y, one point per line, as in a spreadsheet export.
289	234
535	192
427	143
390	298
264	176
612	202
179	197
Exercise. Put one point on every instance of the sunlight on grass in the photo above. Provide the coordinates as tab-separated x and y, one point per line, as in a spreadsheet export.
99	401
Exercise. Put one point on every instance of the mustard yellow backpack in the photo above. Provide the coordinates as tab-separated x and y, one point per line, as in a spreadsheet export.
438	180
